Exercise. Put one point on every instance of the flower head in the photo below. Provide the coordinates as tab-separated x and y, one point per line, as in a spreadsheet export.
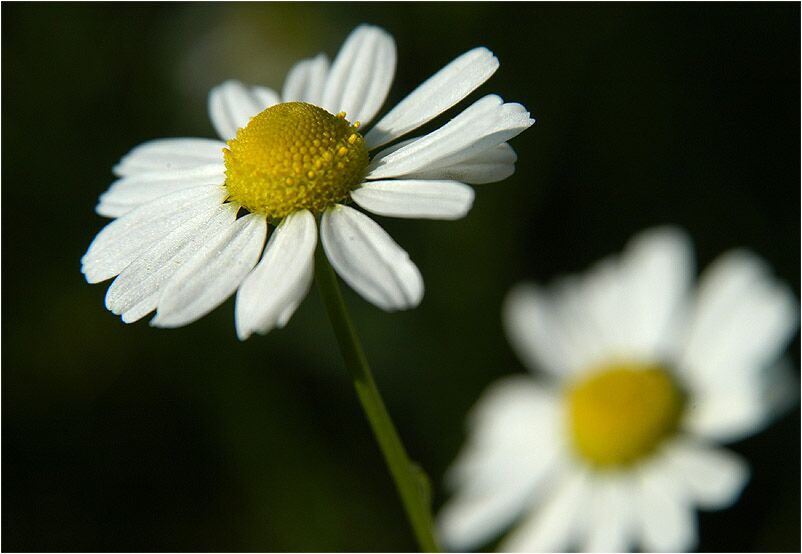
617	443
192	215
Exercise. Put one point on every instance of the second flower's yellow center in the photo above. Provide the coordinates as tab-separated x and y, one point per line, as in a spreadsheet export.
621	413
294	156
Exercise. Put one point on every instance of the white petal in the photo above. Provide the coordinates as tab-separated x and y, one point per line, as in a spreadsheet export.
484	125
740	407
306	80
742	320
622	308
779	388
213	273
132	191
627	306
488	166
361	74
714	477
232	105
666	518
602	303
516	434
540	338
512	451
277	285
264	98
365	256
656	270
393	148
726	415
554	523
416	199
574	317
468	521
135	292
611	520
435	95
125	239
168	155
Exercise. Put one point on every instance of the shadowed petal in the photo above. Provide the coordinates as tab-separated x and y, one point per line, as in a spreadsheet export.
365	256
273	290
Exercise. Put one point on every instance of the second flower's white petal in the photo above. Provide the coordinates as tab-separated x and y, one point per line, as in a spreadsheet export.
135	292
232	105
489	166
516	432
553	525
213	273
365	256
611	520
726	415
277	285
597	309
515	446
361	74
484	125
513	450
535	330
306	80
656	270
135	190
415	199
741	322
435	95
667	522
469	521
169	155
741	406
714	477
125	239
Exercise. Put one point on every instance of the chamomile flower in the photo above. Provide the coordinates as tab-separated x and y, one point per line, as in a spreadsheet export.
617	442
192	214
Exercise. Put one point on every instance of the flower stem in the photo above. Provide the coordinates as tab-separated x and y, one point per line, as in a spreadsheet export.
409	479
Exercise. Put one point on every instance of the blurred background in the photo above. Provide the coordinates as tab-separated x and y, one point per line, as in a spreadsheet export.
120	438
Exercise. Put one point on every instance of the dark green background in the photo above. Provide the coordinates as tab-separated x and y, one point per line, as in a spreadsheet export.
132	438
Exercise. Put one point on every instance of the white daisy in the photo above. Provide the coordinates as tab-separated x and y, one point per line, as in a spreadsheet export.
179	247
617	443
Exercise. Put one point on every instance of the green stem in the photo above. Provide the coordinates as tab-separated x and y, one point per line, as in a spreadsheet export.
409	479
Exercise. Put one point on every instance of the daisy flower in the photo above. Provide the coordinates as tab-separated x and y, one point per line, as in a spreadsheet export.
192	214
617	442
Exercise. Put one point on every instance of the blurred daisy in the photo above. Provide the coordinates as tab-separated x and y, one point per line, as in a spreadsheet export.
181	245
617	444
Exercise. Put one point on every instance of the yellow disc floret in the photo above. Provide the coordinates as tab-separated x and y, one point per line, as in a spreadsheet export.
622	412
294	156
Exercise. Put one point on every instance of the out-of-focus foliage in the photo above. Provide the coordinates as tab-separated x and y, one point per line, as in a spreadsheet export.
130	438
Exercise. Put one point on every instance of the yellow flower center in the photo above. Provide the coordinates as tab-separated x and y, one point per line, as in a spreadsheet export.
620	413
294	156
